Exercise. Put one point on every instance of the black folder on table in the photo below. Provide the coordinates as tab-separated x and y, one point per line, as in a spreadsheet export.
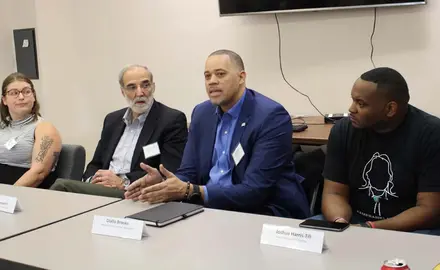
167	213
10	265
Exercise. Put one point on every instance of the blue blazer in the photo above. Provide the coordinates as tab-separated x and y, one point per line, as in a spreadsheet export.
264	181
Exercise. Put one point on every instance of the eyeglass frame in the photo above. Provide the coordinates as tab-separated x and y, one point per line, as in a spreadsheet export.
32	91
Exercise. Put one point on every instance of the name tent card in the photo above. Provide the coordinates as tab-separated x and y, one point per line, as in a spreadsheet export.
294	238
119	227
9	204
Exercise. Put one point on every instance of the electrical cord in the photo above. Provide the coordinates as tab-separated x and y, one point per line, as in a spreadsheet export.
284	77
373	32
372	36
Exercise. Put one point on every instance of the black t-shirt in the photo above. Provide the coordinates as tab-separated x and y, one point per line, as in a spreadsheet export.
386	171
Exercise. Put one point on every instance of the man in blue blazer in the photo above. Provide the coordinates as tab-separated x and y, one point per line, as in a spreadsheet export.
239	151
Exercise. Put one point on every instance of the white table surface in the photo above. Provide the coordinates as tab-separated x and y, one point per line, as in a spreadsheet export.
210	240
41	207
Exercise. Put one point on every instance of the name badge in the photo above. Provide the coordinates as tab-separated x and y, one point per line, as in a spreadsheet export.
10	143
238	154
9	204
151	150
119	227
294	238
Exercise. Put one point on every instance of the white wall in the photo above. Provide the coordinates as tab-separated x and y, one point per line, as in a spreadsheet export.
6	42
84	44
14	14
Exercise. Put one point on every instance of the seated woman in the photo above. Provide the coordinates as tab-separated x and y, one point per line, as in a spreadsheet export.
29	146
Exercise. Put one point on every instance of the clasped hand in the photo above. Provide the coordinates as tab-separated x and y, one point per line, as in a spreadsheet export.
107	178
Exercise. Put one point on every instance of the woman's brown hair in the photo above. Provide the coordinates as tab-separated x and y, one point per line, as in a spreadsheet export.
5	116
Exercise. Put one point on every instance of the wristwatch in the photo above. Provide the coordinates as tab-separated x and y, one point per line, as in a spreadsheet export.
195	196
125	181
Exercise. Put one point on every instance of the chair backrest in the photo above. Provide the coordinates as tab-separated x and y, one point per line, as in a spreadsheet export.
71	162
310	166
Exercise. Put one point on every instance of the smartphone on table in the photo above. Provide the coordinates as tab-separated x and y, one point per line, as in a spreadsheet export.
324	225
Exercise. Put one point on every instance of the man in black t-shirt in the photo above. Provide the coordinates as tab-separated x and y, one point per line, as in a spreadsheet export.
382	167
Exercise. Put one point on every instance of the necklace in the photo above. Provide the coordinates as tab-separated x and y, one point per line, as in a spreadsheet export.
376	193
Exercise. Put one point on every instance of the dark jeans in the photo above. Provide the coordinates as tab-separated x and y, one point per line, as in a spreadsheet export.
356	219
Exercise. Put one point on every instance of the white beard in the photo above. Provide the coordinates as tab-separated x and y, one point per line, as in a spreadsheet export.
137	108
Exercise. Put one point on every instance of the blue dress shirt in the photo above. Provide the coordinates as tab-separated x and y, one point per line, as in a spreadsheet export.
221	172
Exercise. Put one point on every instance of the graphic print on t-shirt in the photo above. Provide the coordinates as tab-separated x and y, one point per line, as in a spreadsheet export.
378	193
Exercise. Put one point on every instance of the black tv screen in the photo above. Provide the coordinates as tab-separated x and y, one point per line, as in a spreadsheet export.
235	7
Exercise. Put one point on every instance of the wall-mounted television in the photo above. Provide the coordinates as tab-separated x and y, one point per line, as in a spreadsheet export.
238	7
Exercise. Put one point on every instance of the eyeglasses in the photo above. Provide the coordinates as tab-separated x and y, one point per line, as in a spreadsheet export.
134	87
26	92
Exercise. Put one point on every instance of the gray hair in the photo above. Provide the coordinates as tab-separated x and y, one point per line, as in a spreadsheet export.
125	69
235	58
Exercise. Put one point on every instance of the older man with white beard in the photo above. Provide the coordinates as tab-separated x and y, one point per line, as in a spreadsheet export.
145	133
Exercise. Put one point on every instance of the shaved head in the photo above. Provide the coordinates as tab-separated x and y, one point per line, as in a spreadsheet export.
233	56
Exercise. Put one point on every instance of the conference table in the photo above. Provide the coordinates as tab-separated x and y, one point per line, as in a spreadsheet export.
213	239
317	132
42	207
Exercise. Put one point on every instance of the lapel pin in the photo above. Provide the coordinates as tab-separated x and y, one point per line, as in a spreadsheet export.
243	124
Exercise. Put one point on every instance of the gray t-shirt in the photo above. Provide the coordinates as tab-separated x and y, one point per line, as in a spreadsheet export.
17	142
